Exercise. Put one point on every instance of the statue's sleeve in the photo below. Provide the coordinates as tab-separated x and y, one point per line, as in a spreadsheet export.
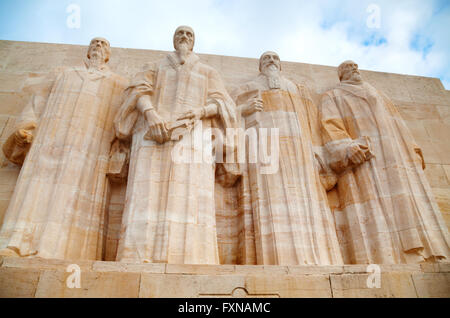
327	176
142	84
402	128
29	118
334	134
226	173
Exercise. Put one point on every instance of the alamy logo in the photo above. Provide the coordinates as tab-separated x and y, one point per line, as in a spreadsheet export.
237	146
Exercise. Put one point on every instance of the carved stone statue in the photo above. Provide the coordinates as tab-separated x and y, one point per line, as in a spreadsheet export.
169	215
390	211
292	221
63	140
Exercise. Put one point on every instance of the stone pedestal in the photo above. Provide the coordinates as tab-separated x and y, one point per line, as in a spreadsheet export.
22	277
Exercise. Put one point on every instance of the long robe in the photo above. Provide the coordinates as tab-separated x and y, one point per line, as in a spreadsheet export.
292	220
169	214
389	210
58	206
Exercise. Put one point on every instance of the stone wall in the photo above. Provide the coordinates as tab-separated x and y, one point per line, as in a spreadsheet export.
423	103
22	277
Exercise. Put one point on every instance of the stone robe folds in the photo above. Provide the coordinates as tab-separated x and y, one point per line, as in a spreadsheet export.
387	204
293	223
58	206
169	215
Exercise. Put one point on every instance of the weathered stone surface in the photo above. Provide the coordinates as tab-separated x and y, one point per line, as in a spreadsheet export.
52	284
200	269
128	268
44	264
356	286
314	269
18	282
432	284
421	102
186	286
289	286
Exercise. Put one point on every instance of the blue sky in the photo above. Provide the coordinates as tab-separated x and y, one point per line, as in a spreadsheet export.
408	37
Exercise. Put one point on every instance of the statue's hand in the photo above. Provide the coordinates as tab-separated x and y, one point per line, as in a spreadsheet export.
252	106
23	137
196	114
356	153
157	127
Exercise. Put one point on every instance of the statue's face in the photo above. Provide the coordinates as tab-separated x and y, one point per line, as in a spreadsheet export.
269	60
350	72
99	47
184	36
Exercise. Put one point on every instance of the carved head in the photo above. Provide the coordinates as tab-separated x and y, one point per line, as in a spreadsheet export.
99	47
269	60
348	71
184	36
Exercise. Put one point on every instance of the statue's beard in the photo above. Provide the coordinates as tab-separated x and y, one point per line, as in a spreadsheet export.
355	78
96	59
273	76
183	50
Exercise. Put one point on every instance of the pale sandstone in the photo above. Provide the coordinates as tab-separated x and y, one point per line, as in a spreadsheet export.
11	82
199	269
52	284
432	285
59	204
129	268
289	207
19	59
17	282
261	269
187	286
315	270
444	113
44	264
391	213
289	286
162	95
437	176
12	103
355	286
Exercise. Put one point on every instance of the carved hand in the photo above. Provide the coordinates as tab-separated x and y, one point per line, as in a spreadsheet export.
157	126
23	137
355	153
196	114
254	105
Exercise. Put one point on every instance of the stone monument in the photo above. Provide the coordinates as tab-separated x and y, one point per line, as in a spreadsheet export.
91	184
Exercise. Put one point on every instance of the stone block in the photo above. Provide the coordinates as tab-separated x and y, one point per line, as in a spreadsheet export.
44	264
188	286
289	286
436	176
18	282
12	81
128	268
53	284
414	112
11	104
442	197
437	129
315	270
393	284
432	285
199	269
261	269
